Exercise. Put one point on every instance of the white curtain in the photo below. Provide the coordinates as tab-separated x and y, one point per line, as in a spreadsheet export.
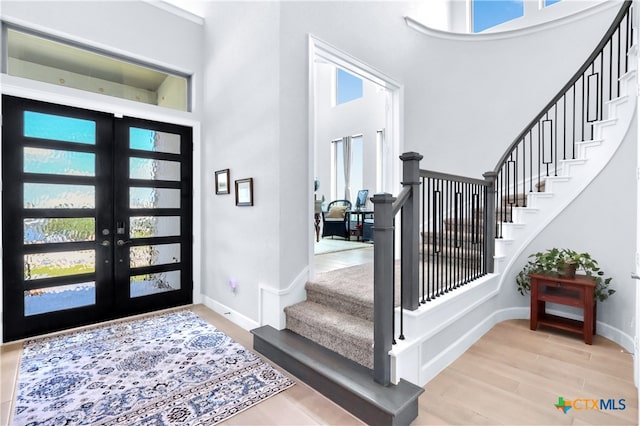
347	155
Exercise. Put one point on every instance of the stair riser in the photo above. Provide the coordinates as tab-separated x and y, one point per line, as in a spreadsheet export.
341	304
359	351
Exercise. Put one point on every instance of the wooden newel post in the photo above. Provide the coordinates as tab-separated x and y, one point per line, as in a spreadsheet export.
490	221
411	232
382	286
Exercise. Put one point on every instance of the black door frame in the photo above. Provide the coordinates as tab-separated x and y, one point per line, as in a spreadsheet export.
109	303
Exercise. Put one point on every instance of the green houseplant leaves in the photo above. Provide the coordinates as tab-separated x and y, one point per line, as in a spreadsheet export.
555	261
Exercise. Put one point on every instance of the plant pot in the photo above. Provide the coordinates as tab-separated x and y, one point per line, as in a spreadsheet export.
568	270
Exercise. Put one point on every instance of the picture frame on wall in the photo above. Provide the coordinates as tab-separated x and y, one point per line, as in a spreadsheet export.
244	192
222	181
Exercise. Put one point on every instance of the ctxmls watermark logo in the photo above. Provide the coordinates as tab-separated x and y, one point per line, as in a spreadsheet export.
590	404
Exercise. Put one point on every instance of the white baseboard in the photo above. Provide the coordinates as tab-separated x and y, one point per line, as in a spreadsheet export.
453	351
602	329
272	301
428	367
234	316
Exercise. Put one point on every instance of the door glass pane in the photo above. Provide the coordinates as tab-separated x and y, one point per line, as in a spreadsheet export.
58	128
151	140
144	285
57	162
59	298
154	226
59	196
150	169
59	230
154	198
58	264
160	254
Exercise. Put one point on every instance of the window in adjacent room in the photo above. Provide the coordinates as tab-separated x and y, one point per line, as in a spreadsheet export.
348	87
39	57
550	2
489	13
347	188
380	160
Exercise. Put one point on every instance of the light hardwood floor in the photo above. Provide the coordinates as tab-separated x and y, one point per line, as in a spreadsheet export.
298	405
511	376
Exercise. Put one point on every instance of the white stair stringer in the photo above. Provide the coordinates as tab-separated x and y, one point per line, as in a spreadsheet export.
574	176
441	330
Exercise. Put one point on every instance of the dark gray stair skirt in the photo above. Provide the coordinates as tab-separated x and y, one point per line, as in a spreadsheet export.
345	382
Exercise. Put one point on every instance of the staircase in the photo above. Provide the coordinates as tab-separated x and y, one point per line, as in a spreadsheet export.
338	313
329	337
328	340
525	214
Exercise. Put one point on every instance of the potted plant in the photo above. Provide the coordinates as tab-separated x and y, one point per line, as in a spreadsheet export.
564	263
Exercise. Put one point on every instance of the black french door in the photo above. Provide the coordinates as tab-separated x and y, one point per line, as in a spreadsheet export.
96	220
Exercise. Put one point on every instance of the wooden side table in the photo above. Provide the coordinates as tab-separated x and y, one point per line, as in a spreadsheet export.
577	292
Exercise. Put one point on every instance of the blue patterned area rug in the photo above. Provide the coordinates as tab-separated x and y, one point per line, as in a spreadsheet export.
167	369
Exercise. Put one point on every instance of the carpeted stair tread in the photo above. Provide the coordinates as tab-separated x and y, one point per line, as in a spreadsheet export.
349	290
348	335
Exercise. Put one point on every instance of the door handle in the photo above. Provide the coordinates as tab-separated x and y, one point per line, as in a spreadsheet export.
120	243
635	276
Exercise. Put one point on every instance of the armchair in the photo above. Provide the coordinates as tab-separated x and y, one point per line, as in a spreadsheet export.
335	221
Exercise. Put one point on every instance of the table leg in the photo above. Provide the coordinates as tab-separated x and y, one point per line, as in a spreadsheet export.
588	315
317	225
534	306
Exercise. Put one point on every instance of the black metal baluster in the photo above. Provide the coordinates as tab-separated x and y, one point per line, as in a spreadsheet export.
401	337
554	138
601	88
423	228
619	59
393	284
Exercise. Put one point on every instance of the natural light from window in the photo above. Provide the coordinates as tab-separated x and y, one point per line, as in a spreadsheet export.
489	13
356	170
348	87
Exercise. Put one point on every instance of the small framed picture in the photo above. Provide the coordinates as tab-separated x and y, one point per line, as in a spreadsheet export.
222	181
244	192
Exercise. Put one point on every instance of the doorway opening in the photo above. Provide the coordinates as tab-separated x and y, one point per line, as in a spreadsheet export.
372	120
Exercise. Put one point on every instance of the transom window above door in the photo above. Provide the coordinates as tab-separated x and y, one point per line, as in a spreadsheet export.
54	61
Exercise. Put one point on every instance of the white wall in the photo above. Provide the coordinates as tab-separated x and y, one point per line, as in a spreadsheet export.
365	116
464	103
243	132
